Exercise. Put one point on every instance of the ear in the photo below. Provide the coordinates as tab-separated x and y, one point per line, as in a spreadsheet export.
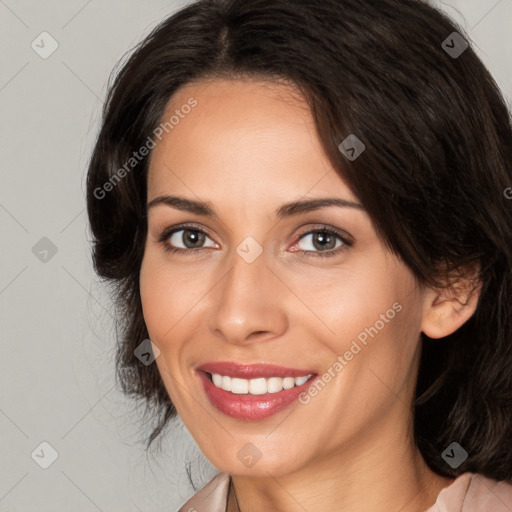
448	308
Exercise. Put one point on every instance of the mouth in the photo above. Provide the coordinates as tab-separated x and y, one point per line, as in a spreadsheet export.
252	392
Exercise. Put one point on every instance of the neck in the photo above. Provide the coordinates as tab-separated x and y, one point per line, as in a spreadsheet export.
383	472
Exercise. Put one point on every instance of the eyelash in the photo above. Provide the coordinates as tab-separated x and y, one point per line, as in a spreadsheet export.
164	240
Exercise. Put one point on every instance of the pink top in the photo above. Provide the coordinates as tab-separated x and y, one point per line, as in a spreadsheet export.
469	492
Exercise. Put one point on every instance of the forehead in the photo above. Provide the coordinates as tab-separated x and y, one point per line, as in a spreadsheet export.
245	137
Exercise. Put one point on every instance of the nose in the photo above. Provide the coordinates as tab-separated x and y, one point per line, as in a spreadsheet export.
249	303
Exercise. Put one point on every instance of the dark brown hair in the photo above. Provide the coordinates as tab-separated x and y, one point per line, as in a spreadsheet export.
432	178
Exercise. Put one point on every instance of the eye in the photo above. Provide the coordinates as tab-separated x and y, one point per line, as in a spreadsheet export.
320	242
324	241
189	237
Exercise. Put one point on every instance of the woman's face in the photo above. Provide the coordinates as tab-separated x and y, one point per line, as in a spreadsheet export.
251	288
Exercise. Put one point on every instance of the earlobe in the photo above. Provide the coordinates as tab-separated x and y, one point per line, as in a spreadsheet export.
447	309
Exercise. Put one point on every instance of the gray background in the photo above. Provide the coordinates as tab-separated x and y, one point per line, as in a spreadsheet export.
57	378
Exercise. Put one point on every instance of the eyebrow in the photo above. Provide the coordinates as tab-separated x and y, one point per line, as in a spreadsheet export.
286	210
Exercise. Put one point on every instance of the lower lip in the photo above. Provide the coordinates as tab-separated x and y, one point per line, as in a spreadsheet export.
250	407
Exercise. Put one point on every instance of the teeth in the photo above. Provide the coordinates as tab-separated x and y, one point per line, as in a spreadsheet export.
300	380
239	386
217	379
258	386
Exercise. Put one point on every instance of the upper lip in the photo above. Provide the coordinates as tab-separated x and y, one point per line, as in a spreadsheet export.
252	371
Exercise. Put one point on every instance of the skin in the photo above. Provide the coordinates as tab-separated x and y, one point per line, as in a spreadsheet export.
248	147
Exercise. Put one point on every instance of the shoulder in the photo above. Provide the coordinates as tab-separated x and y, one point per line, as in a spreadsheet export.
470	492
212	497
473	492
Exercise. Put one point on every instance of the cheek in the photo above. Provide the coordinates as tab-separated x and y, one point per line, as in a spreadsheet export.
374	317
352	302
167	305
389	342
160	305
168	295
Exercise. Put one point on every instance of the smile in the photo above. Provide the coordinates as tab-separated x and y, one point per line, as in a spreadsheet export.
252	391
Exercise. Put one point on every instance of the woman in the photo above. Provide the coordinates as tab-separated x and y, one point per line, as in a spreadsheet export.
303	206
